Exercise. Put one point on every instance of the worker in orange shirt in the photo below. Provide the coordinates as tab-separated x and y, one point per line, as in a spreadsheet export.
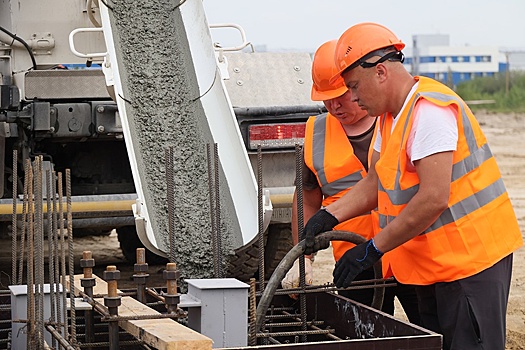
336	156
446	219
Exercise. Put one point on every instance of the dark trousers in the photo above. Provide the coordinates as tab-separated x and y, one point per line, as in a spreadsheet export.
470	313
404	292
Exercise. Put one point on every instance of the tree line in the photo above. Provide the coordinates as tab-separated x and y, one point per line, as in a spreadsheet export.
505	91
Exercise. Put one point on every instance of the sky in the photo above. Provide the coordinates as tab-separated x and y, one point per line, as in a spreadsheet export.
306	24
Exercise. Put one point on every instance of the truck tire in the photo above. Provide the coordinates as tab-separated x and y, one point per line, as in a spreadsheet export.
278	244
245	263
129	242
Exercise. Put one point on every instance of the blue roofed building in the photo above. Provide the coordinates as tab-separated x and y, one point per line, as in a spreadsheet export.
432	56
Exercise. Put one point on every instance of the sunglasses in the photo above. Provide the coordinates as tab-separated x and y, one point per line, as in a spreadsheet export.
391	56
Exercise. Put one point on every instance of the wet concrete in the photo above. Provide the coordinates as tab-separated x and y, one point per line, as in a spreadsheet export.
164	110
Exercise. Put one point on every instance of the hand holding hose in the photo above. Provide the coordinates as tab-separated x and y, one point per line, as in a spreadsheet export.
320	222
355	261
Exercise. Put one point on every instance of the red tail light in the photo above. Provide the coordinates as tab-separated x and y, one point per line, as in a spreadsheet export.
276	135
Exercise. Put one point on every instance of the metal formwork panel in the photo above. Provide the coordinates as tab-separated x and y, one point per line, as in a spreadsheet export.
358	326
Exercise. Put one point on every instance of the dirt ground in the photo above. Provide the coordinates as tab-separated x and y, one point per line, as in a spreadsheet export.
506	135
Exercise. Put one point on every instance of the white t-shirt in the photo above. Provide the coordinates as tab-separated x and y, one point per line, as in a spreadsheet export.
434	130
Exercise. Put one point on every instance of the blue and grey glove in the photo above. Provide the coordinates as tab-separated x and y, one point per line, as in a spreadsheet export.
355	261
320	222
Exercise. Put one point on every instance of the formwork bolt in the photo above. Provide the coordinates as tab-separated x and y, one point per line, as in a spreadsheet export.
101	128
140	275
141	256
111	276
100	109
112	300
87	263
171	275
171	297
141	267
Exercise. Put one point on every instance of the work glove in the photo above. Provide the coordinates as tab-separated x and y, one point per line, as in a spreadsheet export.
291	280
355	261
320	222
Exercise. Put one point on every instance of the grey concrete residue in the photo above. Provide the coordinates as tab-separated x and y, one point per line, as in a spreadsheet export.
163	109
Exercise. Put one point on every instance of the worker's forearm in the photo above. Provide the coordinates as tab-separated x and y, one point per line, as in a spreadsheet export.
425	207
362	198
418	215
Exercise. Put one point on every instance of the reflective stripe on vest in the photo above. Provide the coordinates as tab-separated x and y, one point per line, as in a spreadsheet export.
319	141
460	209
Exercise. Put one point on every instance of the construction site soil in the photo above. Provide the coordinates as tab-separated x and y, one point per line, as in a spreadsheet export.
506	136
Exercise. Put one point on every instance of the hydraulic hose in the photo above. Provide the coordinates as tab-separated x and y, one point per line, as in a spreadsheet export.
322	241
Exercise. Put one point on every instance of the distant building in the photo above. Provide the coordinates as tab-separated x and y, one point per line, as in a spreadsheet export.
432	56
516	59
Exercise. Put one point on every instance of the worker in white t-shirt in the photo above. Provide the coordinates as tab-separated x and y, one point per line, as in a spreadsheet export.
446	220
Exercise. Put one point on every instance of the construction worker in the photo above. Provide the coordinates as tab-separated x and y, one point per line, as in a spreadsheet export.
336	156
445	216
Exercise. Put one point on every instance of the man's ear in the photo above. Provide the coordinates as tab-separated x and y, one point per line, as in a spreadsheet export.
381	71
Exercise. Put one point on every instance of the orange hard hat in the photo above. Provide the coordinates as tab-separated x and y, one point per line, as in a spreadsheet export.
360	40
323	69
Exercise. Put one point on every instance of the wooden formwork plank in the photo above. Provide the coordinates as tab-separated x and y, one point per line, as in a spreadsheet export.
162	334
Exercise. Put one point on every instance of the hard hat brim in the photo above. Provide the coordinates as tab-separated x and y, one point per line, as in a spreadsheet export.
328	95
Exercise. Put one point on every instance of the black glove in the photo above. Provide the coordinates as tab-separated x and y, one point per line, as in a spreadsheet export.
321	221
355	261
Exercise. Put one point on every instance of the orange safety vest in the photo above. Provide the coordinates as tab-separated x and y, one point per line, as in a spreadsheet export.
330	156
478	228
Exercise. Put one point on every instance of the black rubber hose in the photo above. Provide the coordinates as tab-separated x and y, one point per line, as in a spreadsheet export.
322	241
29	50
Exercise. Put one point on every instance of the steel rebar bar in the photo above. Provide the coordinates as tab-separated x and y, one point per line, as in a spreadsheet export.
260	214
39	251
30	264
252	334
218	235
300	228
25	215
14	233
62	341
170	188
212	211
62	255
72	306
50	242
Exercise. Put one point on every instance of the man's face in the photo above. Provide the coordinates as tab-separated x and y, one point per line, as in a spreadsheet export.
363	88
344	109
